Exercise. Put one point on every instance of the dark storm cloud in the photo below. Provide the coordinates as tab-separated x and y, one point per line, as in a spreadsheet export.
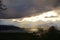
22	8
57	3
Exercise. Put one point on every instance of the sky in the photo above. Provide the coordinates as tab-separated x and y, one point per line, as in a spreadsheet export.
44	20
31	13
25	8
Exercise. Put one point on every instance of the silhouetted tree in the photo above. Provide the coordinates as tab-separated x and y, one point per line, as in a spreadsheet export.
52	29
52	34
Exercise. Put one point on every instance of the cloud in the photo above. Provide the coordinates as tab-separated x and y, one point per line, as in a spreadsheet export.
23	8
26	24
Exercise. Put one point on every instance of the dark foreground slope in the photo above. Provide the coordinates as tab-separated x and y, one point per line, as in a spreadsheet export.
51	34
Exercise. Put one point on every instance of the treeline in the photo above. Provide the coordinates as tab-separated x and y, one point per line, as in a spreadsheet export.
51	34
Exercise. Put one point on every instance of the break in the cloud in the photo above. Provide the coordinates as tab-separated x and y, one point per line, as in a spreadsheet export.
26	24
36	21
23	8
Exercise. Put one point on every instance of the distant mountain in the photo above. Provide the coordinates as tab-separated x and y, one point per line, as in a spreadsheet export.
10	28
